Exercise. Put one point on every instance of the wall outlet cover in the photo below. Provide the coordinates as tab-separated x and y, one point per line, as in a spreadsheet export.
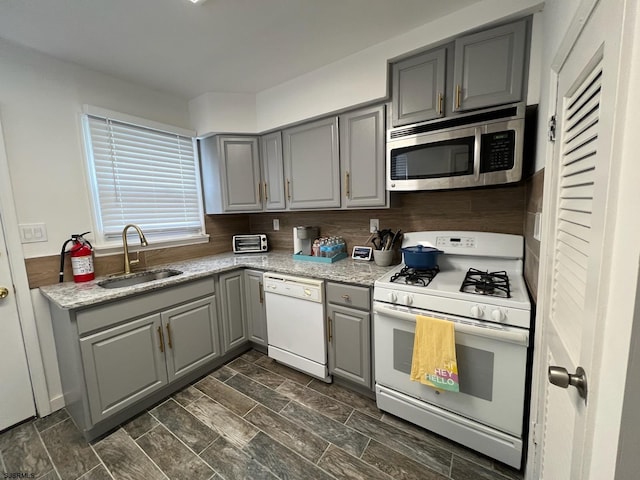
276	224
374	225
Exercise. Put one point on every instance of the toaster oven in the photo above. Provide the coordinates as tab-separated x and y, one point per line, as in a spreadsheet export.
253	243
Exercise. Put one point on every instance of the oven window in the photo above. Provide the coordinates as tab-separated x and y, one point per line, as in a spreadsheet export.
475	366
448	158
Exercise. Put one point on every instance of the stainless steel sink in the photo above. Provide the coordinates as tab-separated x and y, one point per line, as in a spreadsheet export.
131	279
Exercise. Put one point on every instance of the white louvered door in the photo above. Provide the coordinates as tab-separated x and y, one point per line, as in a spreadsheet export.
573	297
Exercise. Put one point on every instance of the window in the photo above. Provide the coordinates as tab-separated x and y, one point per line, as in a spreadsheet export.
144	173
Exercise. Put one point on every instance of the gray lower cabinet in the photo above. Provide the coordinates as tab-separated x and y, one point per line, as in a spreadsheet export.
117	357
191	335
489	67
349	318
231	174
256	311
123	364
312	165
362	158
233	309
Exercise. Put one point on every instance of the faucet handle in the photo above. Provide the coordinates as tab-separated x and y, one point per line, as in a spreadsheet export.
137	259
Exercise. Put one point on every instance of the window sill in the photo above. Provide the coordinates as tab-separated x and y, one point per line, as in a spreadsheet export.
117	247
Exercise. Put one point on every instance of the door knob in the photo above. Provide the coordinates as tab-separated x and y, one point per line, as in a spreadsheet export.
4	292
560	377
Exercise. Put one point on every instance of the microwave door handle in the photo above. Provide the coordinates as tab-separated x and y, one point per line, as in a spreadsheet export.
476	153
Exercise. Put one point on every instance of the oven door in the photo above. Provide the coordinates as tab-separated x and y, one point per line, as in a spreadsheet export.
491	366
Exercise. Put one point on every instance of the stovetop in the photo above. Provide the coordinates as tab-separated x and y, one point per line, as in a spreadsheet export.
446	289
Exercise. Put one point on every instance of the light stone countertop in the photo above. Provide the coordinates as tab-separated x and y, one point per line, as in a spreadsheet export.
71	295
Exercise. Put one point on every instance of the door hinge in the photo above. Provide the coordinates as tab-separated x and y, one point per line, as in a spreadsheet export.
552	128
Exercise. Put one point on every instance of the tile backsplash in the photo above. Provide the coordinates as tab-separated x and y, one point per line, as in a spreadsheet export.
495	209
502	209
533	205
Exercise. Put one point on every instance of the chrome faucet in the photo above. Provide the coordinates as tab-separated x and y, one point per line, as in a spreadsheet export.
143	242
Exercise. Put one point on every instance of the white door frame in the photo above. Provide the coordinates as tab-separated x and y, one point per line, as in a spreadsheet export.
21	284
622	239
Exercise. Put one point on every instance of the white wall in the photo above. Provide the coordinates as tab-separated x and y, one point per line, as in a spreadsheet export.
362	77
223	113
554	20
357	79
40	102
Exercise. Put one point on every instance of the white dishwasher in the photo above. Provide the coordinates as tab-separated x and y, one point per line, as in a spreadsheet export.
296	323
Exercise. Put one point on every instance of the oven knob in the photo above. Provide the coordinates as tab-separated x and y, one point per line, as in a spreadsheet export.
408	299
497	315
393	297
477	311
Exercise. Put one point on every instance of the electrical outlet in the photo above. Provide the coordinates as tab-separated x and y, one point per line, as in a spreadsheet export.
33	232
374	225
276	224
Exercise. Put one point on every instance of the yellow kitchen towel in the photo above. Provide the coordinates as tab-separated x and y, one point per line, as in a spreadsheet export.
434	354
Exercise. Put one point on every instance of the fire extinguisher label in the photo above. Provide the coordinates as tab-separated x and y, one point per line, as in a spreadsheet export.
82	265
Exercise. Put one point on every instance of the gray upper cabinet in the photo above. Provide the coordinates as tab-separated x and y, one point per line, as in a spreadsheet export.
272	171
231	174
256	312
362	158
191	336
418	87
489	67
312	165
233	310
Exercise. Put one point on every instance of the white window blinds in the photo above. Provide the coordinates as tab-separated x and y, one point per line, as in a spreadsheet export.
143	176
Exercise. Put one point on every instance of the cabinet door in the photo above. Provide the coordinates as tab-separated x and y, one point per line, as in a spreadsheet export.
234	317
311	164
122	365
489	67
349	344
418	88
240	170
362	158
256	312
191	336
272	171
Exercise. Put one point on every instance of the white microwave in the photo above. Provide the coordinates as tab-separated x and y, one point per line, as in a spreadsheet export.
471	150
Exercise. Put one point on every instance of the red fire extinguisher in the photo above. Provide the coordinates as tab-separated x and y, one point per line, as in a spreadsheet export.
81	253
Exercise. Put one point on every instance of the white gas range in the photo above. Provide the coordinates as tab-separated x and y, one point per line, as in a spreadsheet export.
479	285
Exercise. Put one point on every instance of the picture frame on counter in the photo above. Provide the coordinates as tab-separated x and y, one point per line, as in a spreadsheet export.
362	253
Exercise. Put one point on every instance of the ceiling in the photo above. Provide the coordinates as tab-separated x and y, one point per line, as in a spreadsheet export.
231	46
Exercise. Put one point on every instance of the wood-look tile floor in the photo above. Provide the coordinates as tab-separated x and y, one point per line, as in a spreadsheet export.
252	418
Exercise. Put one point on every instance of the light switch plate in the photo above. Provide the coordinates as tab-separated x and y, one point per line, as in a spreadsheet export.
33	232
276	224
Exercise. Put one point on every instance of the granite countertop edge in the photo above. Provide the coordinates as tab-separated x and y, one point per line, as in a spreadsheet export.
70	295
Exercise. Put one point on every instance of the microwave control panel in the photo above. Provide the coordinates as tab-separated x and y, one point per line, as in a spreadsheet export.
497	151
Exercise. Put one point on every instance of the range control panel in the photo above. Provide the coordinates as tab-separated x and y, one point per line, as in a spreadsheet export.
456	242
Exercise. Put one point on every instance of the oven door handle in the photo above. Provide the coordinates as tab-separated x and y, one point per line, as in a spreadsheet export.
519	338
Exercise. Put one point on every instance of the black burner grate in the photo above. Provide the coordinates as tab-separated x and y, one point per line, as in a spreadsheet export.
413	276
486	283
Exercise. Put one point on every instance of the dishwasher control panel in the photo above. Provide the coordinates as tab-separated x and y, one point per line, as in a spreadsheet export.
297	287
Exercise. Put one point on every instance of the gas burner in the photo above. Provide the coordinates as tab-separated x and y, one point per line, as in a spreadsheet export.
486	283
412	276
